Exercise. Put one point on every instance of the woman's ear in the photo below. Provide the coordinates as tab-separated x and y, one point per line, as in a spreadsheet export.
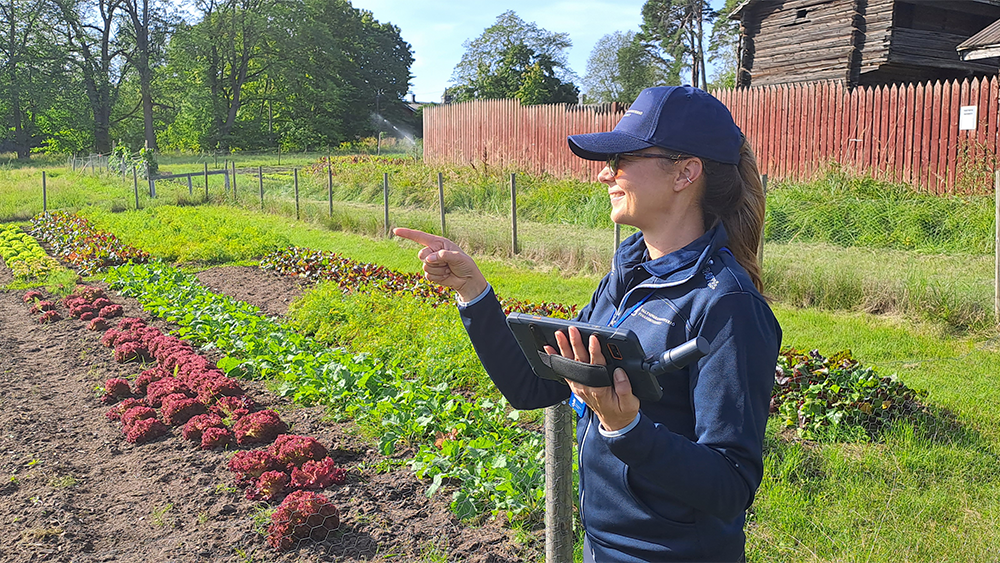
688	172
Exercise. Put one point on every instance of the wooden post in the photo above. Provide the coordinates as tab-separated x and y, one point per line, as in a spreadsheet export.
329	183
260	180
45	195
74	163
760	244
296	171
279	155
559	484
225	180
441	202
996	248
190	187
152	187
618	237
216	155
234	181
135	185
206	181
513	213
385	199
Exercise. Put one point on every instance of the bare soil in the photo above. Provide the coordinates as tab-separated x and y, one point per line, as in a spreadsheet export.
72	489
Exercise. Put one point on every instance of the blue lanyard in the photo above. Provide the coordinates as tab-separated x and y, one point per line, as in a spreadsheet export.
616	323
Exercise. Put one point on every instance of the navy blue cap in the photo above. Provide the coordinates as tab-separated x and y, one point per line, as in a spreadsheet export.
681	119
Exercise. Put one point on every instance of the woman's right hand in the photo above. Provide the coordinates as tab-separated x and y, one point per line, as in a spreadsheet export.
447	264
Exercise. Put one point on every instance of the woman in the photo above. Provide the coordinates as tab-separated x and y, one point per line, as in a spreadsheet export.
669	480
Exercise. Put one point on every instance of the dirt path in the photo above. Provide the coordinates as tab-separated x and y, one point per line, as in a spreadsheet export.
72	489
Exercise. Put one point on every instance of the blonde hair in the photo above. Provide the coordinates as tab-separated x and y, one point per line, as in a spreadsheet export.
734	195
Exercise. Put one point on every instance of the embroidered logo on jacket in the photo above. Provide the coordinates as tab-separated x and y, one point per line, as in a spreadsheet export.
647	316
710	278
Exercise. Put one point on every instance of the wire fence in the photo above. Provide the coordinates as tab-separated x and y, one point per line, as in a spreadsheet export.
875	250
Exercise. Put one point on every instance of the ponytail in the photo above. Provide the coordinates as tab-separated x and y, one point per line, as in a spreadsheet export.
734	195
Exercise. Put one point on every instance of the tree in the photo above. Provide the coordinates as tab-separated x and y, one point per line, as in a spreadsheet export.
620	67
30	69
91	28
675	27
723	47
497	63
147	24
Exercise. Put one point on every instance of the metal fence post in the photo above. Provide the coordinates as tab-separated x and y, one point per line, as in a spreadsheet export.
558	484
190	187
225	184
296	171
329	183
441	202
206	181
152	186
135	186
260	180
513	213
385	199
234	181
45	196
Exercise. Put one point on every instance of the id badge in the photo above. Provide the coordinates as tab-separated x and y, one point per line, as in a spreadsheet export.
578	405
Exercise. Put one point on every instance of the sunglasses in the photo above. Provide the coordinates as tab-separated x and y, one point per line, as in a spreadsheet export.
615	159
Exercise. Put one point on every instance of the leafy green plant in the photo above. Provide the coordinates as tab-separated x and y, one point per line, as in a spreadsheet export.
24	256
77	242
837	398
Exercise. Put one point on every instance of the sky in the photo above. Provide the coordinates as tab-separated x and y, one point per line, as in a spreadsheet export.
436	29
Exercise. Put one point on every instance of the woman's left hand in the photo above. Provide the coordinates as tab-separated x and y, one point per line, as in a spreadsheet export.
615	406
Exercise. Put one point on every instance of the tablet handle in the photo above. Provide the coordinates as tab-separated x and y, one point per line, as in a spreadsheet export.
678	357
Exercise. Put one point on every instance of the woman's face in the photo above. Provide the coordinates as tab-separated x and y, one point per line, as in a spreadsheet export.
642	192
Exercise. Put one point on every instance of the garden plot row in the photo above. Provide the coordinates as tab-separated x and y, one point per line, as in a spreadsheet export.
184	390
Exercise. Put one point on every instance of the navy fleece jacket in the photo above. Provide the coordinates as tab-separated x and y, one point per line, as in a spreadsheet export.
676	486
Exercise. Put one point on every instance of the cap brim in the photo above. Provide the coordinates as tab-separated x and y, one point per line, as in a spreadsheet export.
599	146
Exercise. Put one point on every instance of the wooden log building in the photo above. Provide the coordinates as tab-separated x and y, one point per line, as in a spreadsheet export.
860	42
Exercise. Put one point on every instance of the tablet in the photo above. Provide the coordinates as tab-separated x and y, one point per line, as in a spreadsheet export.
621	349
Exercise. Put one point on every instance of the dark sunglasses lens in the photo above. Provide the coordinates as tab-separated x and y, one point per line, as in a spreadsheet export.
613	163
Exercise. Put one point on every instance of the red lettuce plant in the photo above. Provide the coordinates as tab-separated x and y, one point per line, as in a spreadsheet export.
49	317
32	296
115	389
158	390
137	413
289	449
144	430
318	474
98	324
196	425
303	514
268	486
251	464
116	412
259	427
216	437
178	409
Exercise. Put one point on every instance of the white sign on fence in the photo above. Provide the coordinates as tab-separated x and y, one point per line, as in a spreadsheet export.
967	118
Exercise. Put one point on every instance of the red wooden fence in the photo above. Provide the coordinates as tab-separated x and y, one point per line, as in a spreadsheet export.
906	133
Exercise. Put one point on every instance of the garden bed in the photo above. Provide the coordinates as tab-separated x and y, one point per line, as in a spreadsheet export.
72	488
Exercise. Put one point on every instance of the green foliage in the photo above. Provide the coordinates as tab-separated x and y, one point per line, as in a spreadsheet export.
515	60
837	398
350	275
619	67
861	211
76	241
208	234
24	256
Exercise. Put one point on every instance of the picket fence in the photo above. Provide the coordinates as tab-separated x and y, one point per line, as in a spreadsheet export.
907	133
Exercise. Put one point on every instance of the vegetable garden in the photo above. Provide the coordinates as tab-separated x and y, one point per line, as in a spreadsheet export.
187	368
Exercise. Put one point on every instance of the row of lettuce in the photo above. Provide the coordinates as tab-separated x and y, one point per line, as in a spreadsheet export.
476	444
183	389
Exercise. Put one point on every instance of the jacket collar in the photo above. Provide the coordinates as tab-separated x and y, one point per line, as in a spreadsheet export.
675	268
